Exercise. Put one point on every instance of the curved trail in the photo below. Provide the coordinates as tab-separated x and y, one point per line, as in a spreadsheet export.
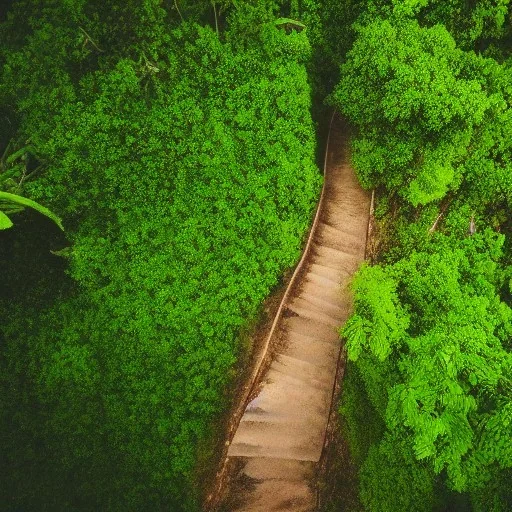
281	434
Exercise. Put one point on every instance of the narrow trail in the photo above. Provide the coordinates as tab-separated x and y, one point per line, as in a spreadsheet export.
280	437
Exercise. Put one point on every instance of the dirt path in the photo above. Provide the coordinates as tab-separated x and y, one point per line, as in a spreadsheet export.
280	438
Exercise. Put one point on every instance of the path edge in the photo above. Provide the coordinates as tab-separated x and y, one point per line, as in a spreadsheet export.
212	500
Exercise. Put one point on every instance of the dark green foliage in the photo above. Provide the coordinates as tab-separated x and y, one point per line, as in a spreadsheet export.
392	481
359	412
183	164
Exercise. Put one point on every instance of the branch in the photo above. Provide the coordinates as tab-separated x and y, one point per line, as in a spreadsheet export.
178	9
216	22
89	38
434	226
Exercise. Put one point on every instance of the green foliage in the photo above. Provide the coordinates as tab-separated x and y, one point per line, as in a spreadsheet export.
357	410
182	161
426	85
175	140
7	199
5	222
446	378
380	323
478	22
392	481
416	105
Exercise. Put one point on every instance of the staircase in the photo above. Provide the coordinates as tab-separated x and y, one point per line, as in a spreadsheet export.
281	434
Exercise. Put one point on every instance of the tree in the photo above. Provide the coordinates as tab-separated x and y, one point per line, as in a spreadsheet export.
415	109
447	393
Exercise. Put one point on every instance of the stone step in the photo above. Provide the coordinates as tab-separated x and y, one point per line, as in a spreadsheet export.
308	327
276	469
272	402
302	371
277	440
346	208
332	257
338	230
312	287
312	313
338	275
321	307
334	309
344	189
322	280
321	354
336	238
294	422
344	244
276	497
336	221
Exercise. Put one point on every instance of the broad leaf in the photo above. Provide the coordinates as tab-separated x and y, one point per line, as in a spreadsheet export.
23	201
5	222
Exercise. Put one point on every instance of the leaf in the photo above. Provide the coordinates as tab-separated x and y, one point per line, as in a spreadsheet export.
356	336
5	222
63	253
23	201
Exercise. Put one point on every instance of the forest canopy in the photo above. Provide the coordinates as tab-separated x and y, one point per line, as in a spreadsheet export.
176	144
427	86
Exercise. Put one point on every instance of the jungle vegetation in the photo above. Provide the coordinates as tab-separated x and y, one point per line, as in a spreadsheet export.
177	142
427	403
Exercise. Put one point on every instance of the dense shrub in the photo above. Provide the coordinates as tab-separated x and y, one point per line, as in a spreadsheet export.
182	162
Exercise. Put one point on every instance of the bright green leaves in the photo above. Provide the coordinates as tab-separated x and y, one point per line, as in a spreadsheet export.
472	25
5	222
432	182
433	402
408	8
410	91
7	199
428	113
447	350
495	439
380	324
294	45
